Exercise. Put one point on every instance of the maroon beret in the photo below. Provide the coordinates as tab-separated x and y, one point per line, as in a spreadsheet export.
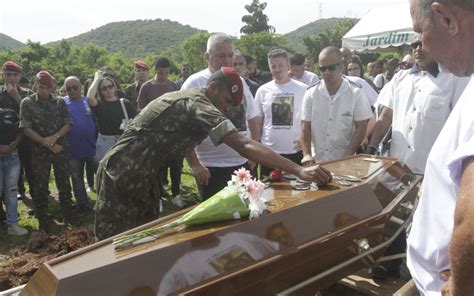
234	82
141	65
11	66
44	78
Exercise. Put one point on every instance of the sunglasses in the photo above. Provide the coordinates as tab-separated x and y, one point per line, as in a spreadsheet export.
106	87
415	45
14	74
329	67
72	88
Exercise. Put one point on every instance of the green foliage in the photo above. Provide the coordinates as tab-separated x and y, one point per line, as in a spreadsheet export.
193	49
259	44
332	37
256	21
137	38
7	43
312	29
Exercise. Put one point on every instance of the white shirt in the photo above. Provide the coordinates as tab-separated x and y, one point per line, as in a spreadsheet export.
333	120
369	91
432	227
280	105
421	103
380	80
308	78
222	155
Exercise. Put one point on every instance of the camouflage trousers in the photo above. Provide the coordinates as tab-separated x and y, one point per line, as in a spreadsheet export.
41	163
118	209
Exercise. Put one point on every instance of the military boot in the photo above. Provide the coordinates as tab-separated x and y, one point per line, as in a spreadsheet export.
44	223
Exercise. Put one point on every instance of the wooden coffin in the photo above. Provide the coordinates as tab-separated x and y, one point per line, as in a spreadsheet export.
309	240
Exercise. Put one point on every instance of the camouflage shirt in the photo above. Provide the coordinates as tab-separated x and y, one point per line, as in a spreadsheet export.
44	116
131	93
9	102
167	128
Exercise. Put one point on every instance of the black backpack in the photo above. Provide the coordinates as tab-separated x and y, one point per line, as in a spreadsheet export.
9	129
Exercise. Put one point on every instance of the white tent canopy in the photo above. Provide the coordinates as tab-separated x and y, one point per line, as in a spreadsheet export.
384	27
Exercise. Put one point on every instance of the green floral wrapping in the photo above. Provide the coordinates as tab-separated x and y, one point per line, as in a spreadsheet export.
225	205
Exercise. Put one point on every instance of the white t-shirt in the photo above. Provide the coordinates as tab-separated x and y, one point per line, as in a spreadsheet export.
222	155
333	120
308	78
280	105
232	250
432	227
369	91
381	80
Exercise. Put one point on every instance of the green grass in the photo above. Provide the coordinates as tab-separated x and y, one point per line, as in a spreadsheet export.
9	242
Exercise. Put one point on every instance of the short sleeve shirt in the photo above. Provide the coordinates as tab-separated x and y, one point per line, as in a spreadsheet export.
152	90
8	102
308	78
222	155
333	119
45	116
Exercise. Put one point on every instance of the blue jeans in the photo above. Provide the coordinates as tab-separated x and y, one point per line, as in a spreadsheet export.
77	177
9	174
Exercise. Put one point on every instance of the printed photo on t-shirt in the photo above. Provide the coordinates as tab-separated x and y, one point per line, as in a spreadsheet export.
237	115
233	259
282	110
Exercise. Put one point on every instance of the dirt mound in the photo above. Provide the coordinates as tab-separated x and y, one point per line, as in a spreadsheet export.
20	266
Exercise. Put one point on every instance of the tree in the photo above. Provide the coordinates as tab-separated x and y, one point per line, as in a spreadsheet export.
259	44
256	21
333	37
193	49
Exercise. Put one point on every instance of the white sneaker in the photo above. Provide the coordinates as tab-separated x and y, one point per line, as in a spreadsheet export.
161	205
178	201
14	229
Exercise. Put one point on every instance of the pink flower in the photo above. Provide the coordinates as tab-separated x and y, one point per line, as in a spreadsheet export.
255	188
241	175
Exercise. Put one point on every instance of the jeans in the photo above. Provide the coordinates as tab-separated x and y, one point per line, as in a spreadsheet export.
77	178
9	173
103	145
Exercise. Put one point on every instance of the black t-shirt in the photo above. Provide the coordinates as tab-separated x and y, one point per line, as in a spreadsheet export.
8	126
109	116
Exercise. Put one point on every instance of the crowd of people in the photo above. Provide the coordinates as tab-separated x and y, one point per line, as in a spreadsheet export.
232	114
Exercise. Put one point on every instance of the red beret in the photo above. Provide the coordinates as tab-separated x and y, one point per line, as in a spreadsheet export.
44	78
141	65
234	82
11	66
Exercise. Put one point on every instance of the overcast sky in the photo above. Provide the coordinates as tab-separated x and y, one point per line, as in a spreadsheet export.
51	20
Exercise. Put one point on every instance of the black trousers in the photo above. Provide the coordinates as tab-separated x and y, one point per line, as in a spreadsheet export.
24	152
176	169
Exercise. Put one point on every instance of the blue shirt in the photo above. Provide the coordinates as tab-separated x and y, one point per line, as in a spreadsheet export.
82	136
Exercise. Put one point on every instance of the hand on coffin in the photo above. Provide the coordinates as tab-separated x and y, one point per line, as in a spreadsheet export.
315	173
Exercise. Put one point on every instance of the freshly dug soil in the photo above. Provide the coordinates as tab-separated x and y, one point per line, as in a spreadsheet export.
21	264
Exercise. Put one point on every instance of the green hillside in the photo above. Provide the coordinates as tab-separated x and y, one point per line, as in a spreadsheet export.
138	38
295	37
7	42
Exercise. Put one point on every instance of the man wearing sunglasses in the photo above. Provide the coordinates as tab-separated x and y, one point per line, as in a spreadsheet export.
81	139
335	113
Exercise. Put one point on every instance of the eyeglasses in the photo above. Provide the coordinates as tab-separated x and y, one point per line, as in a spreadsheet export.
72	88
106	87
329	67
14	74
415	44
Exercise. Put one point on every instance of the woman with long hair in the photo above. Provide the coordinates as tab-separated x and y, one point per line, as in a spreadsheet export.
110	112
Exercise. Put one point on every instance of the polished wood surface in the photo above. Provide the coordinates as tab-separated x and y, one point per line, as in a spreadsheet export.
304	233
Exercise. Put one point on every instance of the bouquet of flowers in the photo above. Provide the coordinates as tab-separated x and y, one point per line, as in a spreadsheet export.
242	198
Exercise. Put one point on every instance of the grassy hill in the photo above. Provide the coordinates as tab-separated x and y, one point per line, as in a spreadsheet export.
295	37
7	42
139	37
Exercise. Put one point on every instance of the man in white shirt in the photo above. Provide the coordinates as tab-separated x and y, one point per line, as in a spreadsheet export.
219	162
335	113
441	241
280	103
417	103
298	70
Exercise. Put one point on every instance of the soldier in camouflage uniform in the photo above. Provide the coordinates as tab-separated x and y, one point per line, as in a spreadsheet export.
141	75
45	121
127	178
